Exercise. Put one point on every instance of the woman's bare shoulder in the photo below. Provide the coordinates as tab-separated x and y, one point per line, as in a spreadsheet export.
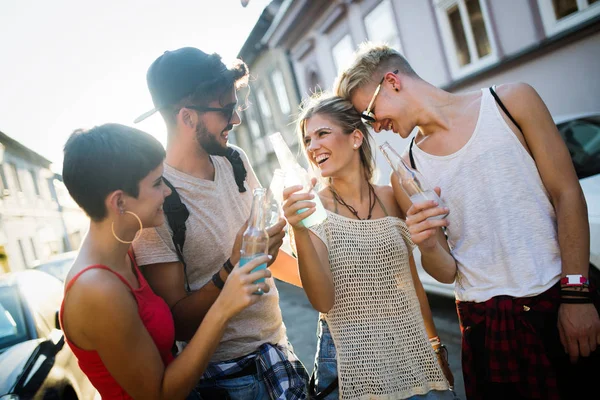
385	193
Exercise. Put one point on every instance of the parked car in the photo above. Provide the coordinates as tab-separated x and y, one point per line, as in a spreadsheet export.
581	134
35	363
58	266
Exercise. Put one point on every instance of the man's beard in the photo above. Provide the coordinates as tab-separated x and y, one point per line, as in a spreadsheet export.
209	142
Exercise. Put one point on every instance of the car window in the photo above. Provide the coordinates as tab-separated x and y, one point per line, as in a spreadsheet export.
13	328
582	137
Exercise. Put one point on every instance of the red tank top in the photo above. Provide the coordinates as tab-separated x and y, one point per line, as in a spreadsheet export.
157	319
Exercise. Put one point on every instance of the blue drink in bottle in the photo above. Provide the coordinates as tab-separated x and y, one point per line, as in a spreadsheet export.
255	241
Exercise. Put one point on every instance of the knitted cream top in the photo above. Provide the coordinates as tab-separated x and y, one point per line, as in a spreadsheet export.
383	351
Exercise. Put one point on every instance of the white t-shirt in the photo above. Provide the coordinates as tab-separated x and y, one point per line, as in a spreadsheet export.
217	211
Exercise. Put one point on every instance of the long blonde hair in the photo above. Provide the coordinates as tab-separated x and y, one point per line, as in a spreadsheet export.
343	114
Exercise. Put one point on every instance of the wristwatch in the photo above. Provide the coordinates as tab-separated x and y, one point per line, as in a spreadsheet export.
574	280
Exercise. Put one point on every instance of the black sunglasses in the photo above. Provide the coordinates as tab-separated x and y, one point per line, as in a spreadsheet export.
226	111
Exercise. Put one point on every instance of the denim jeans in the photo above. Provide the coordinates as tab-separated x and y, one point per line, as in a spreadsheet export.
325	368
249	387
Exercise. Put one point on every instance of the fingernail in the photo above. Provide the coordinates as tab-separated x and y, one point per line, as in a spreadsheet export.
446	209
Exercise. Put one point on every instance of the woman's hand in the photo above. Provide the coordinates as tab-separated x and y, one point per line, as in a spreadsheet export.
240	290
293	202
442	357
423	231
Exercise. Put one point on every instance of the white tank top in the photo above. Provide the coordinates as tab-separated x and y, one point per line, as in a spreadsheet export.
502	231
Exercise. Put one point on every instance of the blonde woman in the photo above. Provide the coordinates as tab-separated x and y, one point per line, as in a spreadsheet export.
358	271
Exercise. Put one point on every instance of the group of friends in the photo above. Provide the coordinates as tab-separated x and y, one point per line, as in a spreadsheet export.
154	312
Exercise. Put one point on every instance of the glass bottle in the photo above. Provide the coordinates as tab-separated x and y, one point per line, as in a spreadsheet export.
275	198
255	241
412	181
296	175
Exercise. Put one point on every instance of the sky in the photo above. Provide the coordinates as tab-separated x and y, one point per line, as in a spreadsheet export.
69	64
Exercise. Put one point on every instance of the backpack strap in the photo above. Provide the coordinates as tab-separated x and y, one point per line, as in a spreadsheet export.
239	170
410	154
493	92
314	395
177	213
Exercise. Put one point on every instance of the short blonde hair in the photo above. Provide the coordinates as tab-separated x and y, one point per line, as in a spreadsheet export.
371	60
342	114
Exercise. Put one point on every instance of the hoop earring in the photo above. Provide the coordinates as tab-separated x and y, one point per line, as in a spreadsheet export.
137	234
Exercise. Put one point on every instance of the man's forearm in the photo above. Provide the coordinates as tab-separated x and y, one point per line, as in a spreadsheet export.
438	262
189	312
573	233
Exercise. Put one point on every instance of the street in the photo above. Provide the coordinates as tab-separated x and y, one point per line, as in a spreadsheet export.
301	322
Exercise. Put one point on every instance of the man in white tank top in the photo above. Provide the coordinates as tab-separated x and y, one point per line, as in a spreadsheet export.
517	224
196	95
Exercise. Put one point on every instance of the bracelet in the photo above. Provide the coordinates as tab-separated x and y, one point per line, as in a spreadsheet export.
573	293
575	297
441	349
216	279
435	341
228	266
566	300
578	287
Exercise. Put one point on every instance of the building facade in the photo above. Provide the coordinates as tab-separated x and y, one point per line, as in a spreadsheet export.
458	45
271	100
32	222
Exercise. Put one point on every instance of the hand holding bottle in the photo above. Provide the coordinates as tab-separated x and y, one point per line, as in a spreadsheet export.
412	182
298	205
276	234
295	175
241	288
422	222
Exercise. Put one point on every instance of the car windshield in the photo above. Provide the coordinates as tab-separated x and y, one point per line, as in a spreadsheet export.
58	269
582	137
13	328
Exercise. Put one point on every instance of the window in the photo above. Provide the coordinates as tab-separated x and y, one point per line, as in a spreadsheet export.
22	249
466	35
314	82
34	179
558	15
15	174
31	241
381	25
253	126
343	52
281	92
263	103
13	325
3	182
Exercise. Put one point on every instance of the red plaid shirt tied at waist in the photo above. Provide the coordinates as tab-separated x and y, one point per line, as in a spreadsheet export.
514	349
